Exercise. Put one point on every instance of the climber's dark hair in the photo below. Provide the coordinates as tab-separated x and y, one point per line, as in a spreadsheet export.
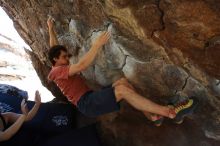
55	52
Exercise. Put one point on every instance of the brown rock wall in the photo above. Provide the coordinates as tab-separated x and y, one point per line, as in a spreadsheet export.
165	48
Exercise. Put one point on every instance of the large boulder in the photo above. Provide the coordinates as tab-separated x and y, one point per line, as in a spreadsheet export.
167	49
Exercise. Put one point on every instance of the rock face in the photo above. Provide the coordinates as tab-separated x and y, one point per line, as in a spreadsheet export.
166	48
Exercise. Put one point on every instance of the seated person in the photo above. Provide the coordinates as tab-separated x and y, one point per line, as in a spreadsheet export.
16	120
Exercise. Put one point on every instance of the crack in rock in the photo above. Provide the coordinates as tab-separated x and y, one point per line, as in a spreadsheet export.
161	20
218	83
186	80
124	62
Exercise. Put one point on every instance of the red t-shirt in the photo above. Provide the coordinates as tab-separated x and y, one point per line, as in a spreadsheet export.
73	87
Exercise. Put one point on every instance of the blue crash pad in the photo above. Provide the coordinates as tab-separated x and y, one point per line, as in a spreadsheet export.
54	124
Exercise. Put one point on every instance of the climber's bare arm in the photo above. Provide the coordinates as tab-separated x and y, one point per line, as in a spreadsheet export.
52	34
89	57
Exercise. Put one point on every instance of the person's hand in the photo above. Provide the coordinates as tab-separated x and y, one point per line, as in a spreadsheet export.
50	22
24	108
37	98
102	39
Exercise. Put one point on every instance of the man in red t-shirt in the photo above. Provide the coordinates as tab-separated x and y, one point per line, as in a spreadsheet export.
94	103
